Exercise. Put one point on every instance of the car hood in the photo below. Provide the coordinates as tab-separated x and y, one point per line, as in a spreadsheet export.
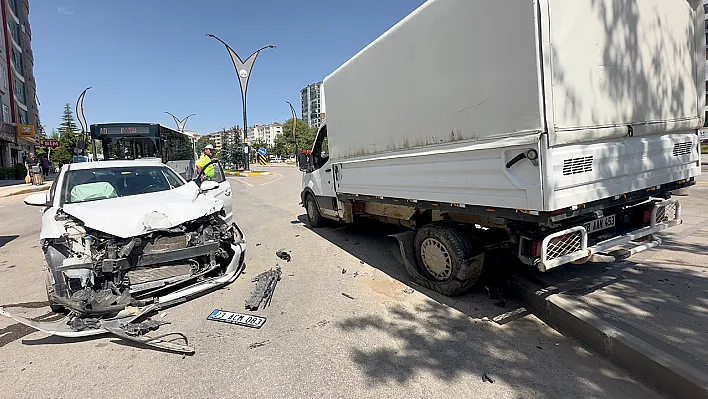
136	215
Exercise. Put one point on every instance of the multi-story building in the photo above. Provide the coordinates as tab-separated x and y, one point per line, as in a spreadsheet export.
265	133
705	11
19	116
218	140
312	98
225	137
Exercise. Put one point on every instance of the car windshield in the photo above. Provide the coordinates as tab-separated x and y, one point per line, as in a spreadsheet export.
103	183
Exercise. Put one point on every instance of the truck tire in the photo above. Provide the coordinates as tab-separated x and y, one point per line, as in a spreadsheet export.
447	259
314	218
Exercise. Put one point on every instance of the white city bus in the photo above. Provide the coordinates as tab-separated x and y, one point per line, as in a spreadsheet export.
147	140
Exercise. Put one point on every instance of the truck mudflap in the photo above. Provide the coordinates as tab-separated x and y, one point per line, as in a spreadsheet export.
571	245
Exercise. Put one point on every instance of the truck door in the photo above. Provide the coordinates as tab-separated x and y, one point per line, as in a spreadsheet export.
321	180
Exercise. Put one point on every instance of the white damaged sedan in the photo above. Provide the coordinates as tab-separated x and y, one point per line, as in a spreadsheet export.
120	235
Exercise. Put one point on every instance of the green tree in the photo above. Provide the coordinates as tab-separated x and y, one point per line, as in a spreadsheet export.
40	150
284	143
67	138
201	143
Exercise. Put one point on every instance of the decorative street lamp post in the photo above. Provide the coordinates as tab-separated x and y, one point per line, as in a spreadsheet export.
243	69
81	144
180	123
292	109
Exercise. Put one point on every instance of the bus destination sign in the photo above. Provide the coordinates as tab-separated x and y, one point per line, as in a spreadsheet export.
124	130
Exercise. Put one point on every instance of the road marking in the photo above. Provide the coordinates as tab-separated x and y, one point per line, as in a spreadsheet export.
241	181
272	181
702	182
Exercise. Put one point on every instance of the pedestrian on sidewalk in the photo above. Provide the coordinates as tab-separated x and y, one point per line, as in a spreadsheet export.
30	163
45	166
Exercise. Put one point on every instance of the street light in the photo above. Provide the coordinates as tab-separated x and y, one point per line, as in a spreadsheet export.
243	69
84	127
292	109
180	123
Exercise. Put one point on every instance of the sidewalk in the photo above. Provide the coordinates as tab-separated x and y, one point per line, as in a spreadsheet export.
19	187
648	314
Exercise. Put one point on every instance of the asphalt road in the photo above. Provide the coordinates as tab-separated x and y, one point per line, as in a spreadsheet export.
317	342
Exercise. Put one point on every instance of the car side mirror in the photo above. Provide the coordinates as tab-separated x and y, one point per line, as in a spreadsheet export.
209	185
302	162
39	199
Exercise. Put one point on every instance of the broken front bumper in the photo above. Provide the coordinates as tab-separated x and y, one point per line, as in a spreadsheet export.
62	327
571	245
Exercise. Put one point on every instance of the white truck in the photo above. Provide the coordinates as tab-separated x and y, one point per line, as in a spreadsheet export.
554	128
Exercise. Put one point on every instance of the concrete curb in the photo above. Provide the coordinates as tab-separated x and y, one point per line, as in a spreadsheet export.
25	191
249	174
656	363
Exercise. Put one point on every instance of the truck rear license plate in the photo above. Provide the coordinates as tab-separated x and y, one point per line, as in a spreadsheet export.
600	224
237	318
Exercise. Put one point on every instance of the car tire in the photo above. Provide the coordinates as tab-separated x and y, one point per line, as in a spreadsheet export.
314	218
447	259
55	307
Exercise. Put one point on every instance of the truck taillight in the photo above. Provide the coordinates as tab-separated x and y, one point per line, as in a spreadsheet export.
647	215
536	251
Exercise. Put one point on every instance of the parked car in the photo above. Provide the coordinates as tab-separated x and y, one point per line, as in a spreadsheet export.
117	234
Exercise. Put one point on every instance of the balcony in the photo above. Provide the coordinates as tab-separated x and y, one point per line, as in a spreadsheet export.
8	133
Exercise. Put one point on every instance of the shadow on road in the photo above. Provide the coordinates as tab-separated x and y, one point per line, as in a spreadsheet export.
369	241
6	239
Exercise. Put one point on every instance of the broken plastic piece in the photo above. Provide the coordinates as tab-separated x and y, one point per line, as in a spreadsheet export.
142	328
283	255
265	287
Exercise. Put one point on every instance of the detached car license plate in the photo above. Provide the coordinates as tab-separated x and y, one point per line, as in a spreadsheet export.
237	318
600	224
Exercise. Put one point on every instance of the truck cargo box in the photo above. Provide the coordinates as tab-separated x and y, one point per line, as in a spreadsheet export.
610	94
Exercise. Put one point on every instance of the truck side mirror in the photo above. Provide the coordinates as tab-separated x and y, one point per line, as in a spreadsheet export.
302	162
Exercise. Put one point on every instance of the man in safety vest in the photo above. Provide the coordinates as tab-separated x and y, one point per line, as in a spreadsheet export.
205	160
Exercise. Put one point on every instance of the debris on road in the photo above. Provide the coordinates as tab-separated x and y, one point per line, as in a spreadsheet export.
265	286
356	274
362	262
539	347
347	295
283	255
493	292
258	244
344	271
486	378
257	344
408	291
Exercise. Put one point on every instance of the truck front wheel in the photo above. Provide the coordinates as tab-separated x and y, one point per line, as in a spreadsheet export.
447	259
313	212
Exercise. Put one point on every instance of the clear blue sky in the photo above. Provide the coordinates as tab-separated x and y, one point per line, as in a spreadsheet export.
146	57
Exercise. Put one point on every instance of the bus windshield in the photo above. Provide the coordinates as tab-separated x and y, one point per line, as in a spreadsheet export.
129	147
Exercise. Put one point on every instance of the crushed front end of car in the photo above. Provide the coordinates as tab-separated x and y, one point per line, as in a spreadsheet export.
95	274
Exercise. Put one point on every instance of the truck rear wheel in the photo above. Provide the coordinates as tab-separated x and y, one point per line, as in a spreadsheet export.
313	212
447	259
